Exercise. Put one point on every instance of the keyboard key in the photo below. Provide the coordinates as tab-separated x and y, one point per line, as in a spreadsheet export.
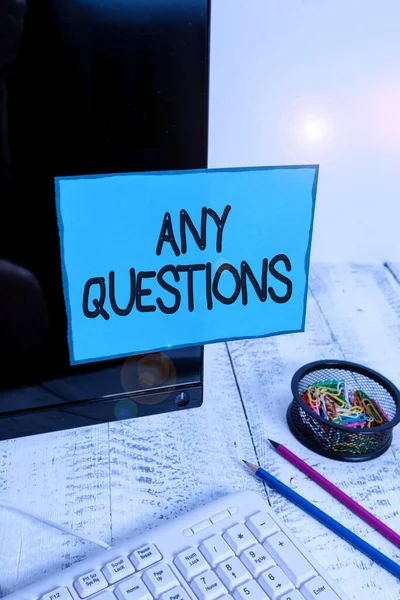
145	556
289	558
208	586
232	573
61	593
239	538
318	589
106	596
159	579
295	595
118	569
90	584
133	589
216	550
262	525
256	559
249	590
220	516
191	563
275	583
177	593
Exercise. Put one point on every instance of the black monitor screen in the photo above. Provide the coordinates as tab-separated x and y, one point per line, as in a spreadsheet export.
96	87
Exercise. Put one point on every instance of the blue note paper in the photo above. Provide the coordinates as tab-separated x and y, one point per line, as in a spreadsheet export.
154	261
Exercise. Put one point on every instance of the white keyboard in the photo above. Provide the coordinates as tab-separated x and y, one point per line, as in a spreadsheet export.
233	548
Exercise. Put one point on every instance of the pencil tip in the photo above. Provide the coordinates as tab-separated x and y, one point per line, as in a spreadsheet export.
274	444
253	468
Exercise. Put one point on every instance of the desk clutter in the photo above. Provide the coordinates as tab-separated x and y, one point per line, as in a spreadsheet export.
326	520
343	410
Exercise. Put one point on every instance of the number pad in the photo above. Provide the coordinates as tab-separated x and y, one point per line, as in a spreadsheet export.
208	586
318	589
290	559
250	590
275	583
262	525
257	560
232	573
216	550
239	538
191	563
295	595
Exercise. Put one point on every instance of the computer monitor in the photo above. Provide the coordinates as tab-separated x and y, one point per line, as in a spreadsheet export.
96	88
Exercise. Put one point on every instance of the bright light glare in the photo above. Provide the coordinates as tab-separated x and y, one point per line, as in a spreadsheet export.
311	130
314	129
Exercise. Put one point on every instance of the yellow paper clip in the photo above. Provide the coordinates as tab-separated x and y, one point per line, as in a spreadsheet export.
371	410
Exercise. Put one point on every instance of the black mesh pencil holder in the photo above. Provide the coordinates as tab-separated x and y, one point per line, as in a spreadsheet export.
310	414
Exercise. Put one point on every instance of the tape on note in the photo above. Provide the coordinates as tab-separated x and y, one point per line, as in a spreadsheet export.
153	261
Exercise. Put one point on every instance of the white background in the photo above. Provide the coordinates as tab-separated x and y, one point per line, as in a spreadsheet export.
315	81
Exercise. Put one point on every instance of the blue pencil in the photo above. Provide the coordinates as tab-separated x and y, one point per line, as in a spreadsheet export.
326	520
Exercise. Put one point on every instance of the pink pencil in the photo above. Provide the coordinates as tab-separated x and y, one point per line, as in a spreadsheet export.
338	494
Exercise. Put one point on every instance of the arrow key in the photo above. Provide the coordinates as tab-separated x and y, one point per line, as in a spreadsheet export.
275	583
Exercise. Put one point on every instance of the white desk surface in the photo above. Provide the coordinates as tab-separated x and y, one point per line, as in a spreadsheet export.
115	480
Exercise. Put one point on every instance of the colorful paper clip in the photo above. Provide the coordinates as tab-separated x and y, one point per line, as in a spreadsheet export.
334	401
